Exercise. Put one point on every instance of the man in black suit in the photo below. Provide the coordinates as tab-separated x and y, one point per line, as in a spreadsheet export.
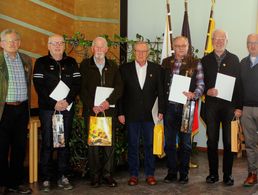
142	85
220	111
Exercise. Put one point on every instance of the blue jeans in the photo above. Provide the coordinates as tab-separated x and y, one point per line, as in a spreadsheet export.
136	130
177	159
47	143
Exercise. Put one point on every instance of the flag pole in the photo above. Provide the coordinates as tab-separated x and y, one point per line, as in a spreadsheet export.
169	26
209	27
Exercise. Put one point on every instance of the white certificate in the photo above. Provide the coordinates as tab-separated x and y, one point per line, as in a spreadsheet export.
225	86
60	92
101	94
179	84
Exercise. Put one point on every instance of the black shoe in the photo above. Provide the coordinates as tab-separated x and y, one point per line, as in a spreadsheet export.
228	180
183	179
170	178
20	189
212	178
109	181
95	182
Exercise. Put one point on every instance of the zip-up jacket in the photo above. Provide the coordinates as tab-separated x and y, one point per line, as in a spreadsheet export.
47	74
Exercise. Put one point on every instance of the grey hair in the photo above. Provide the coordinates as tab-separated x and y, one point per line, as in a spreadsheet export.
141	43
9	31
99	38
219	30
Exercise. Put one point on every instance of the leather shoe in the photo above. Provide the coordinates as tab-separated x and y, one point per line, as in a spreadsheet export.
170	178
20	189
133	181
228	180
151	180
250	180
95	182
110	181
183	179
212	178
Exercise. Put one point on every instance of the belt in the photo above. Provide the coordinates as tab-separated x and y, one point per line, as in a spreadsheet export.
14	103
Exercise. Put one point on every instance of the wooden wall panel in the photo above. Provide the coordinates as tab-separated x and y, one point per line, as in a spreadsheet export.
65	5
37	16
98	8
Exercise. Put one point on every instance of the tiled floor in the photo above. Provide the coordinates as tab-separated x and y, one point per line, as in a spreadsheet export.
195	186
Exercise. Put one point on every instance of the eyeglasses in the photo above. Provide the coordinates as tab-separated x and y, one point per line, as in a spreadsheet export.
218	39
252	43
11	41
57	43
141	51
180	46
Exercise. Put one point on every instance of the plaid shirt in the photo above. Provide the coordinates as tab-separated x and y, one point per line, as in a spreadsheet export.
199	78
17	86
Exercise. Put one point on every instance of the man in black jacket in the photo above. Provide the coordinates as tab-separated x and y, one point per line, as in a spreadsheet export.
142	85
49	71
220	110
98	71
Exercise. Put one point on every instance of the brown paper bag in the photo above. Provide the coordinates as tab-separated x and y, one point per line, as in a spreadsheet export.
236	135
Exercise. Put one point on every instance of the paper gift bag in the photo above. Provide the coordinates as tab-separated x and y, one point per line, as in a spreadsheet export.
236	135
58	130
158	139
100	131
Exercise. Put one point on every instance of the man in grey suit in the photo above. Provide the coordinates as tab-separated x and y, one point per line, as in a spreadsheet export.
142	85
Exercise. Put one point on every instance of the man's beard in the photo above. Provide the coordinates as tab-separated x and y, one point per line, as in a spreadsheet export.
100	56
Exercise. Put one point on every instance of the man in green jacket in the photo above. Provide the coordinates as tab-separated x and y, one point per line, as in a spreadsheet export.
98	71
15	82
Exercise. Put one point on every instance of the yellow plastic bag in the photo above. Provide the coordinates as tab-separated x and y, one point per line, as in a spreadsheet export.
158	139
100	131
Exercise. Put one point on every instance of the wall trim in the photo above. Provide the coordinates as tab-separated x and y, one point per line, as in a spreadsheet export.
74	17
27	25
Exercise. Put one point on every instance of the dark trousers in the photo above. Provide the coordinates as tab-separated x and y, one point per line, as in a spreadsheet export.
47	143
136	130
13	139
177	160
101	158
219	112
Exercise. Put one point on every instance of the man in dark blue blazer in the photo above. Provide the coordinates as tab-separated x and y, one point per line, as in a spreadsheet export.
142	85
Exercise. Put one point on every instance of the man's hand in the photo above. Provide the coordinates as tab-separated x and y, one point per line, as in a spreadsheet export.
190	95
238	113
212	92
105	105
121	119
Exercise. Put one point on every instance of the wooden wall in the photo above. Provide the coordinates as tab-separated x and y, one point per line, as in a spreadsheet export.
35	20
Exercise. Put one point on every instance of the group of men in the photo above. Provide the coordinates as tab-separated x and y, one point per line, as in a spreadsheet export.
136	85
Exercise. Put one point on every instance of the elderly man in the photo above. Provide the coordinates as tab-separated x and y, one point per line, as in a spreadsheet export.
220	111
178	160
142	85
50	71
249	79
15	82
98	71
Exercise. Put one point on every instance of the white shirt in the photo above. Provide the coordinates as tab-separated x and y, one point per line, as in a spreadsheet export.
141	73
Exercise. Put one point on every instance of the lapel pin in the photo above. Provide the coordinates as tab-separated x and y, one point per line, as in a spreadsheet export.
150	75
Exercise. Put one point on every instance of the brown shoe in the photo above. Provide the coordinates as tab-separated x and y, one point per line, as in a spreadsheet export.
151	180
133	181
250	180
